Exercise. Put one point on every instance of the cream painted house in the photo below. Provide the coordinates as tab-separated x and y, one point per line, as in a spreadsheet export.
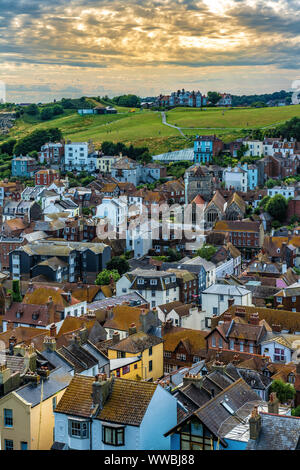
26	414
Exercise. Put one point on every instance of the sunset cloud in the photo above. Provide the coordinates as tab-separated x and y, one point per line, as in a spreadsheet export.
134	39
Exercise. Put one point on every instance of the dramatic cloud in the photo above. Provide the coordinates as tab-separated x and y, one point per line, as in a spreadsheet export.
155	45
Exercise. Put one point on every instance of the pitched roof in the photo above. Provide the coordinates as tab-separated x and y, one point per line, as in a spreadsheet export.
288	320
278	432
40	296
127	403
123	317
136	342
237	226
194	340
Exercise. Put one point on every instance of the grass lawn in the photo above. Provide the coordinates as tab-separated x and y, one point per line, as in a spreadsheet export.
237	118
144	128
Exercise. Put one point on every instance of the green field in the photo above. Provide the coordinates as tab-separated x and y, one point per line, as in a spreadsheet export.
235	118
145	128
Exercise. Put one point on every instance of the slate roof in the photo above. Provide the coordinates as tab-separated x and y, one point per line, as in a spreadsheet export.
79	357
213	413
57	381
278	432
14	363
127	403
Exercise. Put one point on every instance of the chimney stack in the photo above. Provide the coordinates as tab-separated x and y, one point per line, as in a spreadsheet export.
255	424
49	343
116	337
193	379
276	328
227	317
101	390
132	329
12	343
254	319
53	330
273	404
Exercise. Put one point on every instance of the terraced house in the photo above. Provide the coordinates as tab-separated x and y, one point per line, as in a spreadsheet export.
113	414
84	260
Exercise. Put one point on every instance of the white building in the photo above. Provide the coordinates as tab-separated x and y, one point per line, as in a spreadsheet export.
81	156
255	148
285	191
157	287
235	178
217	298
114	210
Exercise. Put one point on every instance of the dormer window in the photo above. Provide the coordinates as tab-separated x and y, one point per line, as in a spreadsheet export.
140	281
153	282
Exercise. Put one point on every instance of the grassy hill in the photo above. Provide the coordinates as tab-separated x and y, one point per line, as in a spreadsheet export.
145	128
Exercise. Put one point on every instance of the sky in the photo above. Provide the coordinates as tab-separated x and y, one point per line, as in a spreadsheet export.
72	48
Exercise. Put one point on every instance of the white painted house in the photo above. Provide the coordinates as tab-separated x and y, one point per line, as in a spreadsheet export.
285	191
217	298
157	287
235	178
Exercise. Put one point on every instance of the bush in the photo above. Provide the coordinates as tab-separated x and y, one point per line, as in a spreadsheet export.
104	278
284	391
46	114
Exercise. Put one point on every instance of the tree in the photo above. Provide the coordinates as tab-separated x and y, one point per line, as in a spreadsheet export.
271	183
213	97
173	255
32	109
57	109
277	207
46	114
16	292
36	139
206	252
284	391
262	204
296	411
119	263
106	276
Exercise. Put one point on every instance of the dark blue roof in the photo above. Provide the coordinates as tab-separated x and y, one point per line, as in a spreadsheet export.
278	432
57	381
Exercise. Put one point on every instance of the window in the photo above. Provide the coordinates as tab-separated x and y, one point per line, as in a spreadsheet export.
213	341
167	354
231	344
150	351
220	343
78	429
113	436
241	346
125	370
24	446
150	366
293	299
181	357
8	444
120	354
251	347
54	403
8	418
279	355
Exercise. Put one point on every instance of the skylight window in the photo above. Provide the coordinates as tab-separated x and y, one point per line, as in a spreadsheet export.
227	407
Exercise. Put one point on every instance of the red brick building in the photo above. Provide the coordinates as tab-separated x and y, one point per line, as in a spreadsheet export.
46	177
246	235
236	336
